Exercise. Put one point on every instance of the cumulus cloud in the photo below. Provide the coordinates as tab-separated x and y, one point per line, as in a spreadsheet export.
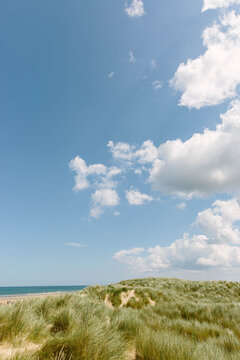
121	254
102	199
130	158
217	248
181	206
218	223
214	4
131	57
83	171
100	177
135	9
135	197
131	258
121	151
157	84
207	163
215	75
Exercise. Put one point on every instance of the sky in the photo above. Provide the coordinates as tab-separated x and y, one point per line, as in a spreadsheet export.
119	140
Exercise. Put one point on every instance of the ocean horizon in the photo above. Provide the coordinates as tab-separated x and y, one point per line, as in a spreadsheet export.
25	290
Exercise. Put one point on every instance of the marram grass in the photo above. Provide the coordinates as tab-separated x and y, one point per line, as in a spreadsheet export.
143	319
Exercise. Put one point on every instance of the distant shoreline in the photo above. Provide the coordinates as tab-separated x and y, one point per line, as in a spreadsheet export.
11	298
13	291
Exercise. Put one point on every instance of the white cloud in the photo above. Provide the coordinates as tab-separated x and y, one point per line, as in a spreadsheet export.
96	211
121	151
135	197
101	175
153	64
101	178
110	75
181	206
130	257
131	57
157	84
214	4
215	249
207	163
79	166
123	253
102	199
135	9
107	180
218	222
75	245
105	197
215	75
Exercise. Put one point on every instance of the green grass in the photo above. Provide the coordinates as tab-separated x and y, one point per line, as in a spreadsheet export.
189	321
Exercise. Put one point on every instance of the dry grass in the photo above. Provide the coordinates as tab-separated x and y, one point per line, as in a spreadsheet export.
142	319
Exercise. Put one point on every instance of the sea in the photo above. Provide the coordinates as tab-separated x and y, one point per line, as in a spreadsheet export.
25	290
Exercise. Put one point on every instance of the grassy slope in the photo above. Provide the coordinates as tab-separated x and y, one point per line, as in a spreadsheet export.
165	319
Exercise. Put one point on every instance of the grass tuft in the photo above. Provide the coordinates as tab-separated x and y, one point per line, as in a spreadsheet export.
163	319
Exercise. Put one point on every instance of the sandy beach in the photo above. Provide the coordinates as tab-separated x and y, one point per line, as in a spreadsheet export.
9	299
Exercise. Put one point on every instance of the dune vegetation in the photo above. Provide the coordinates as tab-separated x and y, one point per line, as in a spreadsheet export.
143	319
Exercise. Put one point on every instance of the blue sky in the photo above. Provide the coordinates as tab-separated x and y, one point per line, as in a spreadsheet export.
76	75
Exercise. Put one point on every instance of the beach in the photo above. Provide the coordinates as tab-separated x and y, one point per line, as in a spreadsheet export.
10	299
9	295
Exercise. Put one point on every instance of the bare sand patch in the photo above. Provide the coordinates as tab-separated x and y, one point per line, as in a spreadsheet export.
131	354
83	295
108	302
151	302
126	296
